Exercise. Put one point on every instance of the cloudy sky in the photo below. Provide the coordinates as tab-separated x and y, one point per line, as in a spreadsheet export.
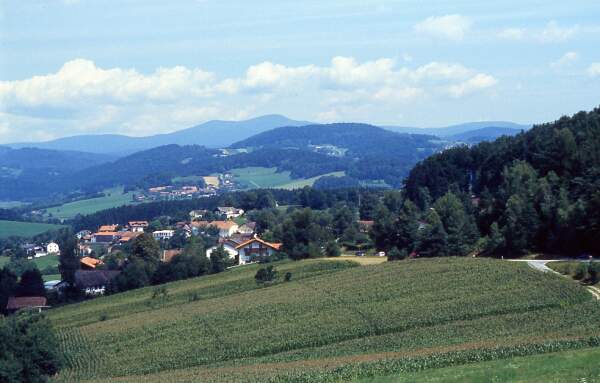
141	67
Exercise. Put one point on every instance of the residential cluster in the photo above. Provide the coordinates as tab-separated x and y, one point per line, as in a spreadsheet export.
33	250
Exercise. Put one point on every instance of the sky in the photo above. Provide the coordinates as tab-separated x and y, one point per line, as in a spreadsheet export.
70	67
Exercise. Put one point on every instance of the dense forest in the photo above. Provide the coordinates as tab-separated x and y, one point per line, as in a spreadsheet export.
537	191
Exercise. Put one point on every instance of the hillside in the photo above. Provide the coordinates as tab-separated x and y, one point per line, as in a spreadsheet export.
489	133
331	321
24	173
537	191
213	134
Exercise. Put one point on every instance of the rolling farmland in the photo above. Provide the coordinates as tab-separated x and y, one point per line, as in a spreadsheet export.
332	321
24	229
113	198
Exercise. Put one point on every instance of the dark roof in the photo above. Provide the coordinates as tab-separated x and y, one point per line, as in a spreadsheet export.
93	278
17	303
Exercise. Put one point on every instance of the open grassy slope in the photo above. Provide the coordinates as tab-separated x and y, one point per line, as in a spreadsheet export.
567	366
260	177
332	321
113	198
24	229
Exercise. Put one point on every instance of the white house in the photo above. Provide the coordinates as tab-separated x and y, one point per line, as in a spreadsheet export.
255	248
138	226
226	228
163	234
52	248
228	246
197	214
229	211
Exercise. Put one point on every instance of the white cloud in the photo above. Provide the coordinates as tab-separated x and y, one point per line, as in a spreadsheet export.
550	33
474	84
84	98
452	27
553	33
565	60
594	70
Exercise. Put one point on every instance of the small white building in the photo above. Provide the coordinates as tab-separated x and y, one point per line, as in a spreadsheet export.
228	246
52	248
226	228
160	235
138	226
229	211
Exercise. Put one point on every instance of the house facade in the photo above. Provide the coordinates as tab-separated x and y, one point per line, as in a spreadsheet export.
94	282
228	246
255	248
161	235
52	248
229	211
138	226
226	228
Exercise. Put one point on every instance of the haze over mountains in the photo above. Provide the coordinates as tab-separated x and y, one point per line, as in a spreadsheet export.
218	134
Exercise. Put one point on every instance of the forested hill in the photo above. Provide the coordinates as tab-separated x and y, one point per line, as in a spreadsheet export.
539	190
359	140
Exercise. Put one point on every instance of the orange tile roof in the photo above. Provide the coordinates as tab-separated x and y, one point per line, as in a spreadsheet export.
275	246
223	224
90	262
108	228
113	233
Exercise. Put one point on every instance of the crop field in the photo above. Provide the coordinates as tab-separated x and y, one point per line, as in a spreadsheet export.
567	366
259	177
113	198
333	321
24	229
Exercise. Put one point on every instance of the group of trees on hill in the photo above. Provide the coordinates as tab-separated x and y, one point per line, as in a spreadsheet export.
537	191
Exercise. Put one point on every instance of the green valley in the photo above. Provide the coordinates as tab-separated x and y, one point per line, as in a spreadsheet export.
24	229
113	197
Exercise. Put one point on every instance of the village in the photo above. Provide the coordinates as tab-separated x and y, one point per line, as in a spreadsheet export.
238	240
203	187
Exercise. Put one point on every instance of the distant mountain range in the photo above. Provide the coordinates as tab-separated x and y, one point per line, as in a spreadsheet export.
212	134
219	134
366	153
487	129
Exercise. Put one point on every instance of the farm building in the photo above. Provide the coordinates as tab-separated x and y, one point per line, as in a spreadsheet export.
94	282
26	303
52	248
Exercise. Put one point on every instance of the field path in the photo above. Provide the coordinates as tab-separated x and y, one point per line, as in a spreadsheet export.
541	265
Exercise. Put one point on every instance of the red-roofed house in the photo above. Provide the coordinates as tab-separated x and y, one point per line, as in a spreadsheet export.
226	228
26	303
89	262
255	248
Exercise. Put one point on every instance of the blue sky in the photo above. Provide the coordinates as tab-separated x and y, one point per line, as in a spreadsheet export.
144	67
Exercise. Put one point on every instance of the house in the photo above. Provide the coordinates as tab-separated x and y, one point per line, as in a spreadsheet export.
108	228
197	214
90	263
255	248
365	226
228	245
137	226
39	251
229	211
82	234
160	235
52	248
167	255
247	228
226	228
94	282
104	237
84	250
126	236
26	303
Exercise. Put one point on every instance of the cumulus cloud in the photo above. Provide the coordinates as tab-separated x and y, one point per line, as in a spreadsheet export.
565	60
552	32
83	98
594	70
452	27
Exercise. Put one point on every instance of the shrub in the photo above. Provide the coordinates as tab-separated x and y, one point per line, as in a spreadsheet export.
288	276
266	275
395	255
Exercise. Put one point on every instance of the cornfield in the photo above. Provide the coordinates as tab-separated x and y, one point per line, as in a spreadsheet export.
332	322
